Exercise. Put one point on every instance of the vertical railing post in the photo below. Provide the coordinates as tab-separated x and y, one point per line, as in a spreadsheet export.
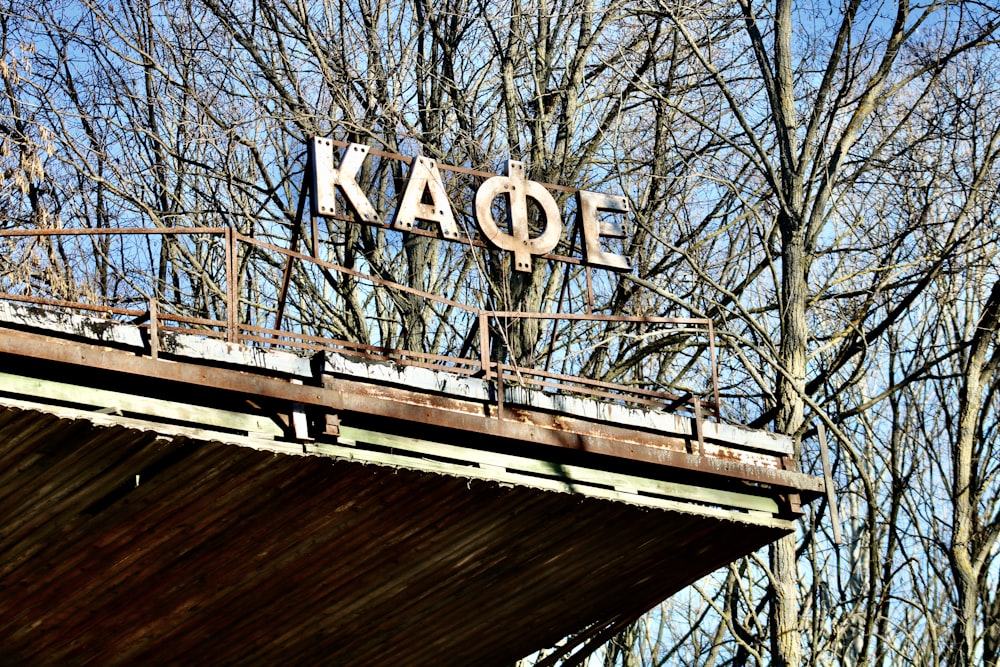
500	371
154	329
590	290
232	293
484	344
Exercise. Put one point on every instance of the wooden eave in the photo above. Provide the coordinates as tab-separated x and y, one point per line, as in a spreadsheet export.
172	510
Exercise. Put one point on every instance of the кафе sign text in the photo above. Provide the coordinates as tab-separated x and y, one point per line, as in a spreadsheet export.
424	198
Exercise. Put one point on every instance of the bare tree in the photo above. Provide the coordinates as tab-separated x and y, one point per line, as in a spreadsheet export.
819	181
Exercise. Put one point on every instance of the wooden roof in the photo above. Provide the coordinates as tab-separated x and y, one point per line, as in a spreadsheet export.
142	538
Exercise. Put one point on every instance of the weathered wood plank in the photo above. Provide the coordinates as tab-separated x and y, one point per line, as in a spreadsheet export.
140	405
539	473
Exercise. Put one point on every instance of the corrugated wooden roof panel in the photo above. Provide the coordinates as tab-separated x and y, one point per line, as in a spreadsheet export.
226	554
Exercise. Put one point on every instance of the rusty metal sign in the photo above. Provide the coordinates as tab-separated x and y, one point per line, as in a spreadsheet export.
425	198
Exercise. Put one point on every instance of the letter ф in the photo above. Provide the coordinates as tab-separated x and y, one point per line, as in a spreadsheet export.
517	189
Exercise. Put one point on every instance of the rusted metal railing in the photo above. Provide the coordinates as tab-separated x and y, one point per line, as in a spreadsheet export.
485	353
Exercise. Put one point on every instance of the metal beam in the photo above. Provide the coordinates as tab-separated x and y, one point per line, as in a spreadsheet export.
391	403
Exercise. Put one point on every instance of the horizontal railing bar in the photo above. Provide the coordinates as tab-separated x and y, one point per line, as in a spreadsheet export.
381	351
592	383
173	317
597	317
587	382
119	231
594	392
624	395
73	304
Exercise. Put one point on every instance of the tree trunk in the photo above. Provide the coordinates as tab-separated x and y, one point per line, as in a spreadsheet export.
786	647
966	547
